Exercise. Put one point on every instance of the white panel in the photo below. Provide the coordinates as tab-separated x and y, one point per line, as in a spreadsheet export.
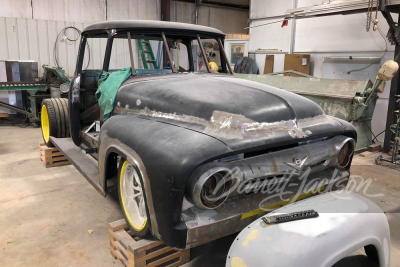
33	40
74	10
271	36
97	59
51	39
269	8
339	33
90	64
70	49
119	46
62	56
3	38
118	9
103	45
16	8
42	41
113	57
23	41
69	10
86	62
149	11
12	38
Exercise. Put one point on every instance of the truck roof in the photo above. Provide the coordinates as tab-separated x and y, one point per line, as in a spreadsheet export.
153	25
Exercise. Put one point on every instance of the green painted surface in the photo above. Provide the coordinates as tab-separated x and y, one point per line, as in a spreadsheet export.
337	98
19	88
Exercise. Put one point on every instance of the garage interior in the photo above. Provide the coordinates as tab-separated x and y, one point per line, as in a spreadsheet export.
52	216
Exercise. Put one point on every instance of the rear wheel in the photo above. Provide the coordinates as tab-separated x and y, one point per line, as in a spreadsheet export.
131	197
54	119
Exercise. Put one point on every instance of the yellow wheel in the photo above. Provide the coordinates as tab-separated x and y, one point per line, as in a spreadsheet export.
132	198
54	119
45	124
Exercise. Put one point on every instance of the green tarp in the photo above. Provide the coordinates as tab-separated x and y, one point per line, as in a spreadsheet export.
109	83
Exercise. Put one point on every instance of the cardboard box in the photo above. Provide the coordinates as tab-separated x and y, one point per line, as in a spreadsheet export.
296	62
269	64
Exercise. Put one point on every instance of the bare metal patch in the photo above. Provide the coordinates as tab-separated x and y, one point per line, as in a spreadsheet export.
234	126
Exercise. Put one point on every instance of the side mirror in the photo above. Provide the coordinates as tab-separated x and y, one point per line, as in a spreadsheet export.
388	70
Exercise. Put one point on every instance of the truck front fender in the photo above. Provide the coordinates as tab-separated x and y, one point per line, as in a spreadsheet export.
166	156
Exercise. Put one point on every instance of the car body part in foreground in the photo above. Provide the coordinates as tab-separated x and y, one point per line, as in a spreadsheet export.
346	223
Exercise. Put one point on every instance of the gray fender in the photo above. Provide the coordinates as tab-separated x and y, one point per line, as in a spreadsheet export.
166	156
346	222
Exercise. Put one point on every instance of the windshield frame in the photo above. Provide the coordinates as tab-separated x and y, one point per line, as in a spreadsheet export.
187	35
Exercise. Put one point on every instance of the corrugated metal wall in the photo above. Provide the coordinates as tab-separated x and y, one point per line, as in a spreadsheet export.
29	28
29	39
229	21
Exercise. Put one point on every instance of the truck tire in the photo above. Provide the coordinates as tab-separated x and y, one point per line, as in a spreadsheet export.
54	119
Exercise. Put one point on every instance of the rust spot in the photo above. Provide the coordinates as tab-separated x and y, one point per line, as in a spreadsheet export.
250	168
273	165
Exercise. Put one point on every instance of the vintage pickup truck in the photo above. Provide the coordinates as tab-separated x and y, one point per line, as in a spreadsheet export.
196	154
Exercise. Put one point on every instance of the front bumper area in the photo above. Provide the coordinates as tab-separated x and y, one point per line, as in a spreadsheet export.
236	213
264	183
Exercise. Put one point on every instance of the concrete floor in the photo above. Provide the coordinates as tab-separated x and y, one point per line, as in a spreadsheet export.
45	213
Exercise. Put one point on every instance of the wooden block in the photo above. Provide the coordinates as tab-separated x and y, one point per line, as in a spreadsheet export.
118	225
51	156
4	115
375	147
137	252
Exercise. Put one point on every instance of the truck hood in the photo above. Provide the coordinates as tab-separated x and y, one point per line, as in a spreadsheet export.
240	113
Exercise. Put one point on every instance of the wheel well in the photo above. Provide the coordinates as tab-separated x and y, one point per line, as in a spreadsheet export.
111	170
372	254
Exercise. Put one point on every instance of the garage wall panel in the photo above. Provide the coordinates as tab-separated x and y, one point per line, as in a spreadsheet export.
339	33
69	10
271	36
33	40
268	8
3	38
226	20
12	38
23	38
16	8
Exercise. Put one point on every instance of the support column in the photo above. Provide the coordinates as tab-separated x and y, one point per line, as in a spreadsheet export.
391	118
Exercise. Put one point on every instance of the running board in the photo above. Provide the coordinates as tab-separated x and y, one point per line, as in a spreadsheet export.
81	162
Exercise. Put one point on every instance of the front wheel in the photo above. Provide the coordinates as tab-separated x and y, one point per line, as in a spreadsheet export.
131	198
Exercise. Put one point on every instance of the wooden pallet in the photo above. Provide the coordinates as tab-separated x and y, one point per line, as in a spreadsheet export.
51	156
137	252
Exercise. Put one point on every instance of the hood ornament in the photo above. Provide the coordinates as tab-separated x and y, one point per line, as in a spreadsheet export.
297	163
